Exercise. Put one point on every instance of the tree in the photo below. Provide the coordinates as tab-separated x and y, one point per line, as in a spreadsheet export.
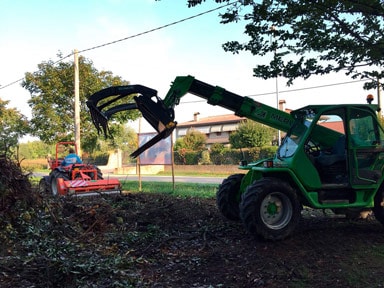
190	146
35	149
251	134
306	37
125	138
13	125
52	101
194	140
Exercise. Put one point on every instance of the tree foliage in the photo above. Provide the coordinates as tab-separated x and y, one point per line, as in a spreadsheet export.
306	37
35	150
52	100
13	125
125	138
194	140
251	134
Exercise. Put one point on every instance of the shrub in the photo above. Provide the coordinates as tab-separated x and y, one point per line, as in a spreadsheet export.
205	158
192	158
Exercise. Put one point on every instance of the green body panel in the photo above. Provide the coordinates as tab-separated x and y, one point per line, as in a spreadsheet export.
364	195
305	171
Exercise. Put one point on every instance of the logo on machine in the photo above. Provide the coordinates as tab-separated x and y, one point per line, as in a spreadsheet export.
281	119
261	114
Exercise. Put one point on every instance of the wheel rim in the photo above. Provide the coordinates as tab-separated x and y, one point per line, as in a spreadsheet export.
276	210
54	186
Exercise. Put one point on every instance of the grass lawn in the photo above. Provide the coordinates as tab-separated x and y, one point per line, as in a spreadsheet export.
180	189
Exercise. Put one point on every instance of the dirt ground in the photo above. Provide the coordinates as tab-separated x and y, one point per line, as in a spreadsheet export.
157	240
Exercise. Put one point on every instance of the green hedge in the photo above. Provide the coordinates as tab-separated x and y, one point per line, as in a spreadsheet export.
223	157
101	159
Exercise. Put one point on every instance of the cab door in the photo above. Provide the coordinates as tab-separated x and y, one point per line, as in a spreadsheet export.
366	140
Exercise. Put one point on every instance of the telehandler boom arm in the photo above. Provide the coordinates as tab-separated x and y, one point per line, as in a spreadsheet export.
160	113
215	95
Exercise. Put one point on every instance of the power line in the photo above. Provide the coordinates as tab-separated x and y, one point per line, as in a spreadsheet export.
287	91
308	88
158	28
130	37
21	79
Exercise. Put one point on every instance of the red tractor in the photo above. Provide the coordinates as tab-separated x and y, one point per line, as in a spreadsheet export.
75	179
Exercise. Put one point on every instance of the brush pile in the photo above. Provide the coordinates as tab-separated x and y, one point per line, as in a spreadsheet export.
15	189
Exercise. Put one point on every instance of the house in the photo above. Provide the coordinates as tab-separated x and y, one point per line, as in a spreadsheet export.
216	128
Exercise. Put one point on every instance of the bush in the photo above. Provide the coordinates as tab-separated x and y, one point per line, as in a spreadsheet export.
217	157
223	156
258	153
205	158
251	154
192	158
267	151
101	159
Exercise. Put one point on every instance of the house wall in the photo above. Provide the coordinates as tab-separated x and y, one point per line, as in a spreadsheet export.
216	131
218	137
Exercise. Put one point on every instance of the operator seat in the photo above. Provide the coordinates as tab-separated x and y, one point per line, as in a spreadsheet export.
332	165
337	153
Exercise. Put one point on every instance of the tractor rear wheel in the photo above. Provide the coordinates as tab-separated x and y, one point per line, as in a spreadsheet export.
99	173
43	187
270	208
226	197
56	174
378	209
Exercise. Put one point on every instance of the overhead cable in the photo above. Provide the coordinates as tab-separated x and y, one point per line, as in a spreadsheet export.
130	37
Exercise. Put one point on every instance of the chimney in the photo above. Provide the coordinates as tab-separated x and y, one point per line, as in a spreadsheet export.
282	105
196	116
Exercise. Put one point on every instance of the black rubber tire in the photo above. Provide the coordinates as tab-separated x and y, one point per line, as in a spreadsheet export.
56	174
270	208
226	197
99	173
378	209
43	187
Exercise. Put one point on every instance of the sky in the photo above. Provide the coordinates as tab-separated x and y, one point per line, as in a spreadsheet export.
35	31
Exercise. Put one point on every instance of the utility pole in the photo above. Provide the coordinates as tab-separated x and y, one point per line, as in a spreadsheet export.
273	30
77	103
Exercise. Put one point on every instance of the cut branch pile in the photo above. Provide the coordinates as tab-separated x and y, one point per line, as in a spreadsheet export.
15	189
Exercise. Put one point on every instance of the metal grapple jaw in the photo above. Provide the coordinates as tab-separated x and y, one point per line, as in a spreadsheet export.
102	105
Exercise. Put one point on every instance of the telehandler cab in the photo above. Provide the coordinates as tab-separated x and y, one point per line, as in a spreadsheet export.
331	157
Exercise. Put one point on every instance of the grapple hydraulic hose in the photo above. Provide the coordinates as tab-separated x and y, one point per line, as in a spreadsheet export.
102	105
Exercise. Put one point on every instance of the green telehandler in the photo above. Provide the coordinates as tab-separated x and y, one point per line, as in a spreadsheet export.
331	156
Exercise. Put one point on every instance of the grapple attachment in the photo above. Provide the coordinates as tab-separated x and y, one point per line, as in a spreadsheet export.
104	103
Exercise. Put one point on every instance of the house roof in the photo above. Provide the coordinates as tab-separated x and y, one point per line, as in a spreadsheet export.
219	119
335	125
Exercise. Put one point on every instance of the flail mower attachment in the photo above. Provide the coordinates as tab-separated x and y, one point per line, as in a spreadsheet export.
102	105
